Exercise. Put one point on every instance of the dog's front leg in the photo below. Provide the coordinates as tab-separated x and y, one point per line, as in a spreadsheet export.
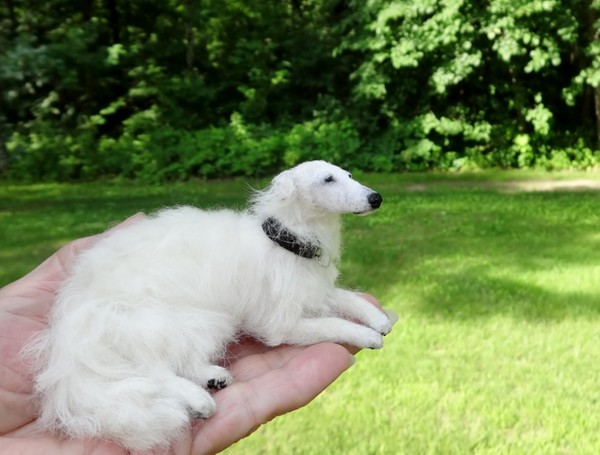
329	329
352	306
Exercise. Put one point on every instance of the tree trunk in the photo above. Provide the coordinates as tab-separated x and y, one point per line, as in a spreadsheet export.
86	9
597	112
589	17
113	20
189	50
190	35
12	17
3	159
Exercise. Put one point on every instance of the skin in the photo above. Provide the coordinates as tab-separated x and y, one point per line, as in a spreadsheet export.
268	381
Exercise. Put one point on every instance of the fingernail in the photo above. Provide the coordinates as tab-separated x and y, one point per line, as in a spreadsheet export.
391	314
352	360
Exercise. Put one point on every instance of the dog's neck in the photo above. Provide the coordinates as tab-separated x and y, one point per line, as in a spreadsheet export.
290	241
317	237
311	227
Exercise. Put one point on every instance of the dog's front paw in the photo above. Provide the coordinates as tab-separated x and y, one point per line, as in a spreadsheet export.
385	322
377	344
372	340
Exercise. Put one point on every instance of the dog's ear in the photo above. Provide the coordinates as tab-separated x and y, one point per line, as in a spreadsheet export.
283	187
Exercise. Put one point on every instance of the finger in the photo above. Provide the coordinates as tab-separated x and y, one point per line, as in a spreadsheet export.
371	299
133	219
244	406
50	446
260	359
244	347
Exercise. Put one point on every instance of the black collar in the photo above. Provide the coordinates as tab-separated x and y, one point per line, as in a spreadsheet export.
286	239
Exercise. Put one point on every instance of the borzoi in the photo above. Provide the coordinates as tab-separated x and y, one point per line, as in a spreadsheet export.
147	313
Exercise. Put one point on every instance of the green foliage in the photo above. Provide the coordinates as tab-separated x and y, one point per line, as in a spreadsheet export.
317	140
170	90
463	68
175	154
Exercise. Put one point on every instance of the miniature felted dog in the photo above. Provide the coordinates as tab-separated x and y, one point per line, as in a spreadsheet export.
139	326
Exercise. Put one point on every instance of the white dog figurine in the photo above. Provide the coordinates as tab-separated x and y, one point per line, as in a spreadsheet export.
147	313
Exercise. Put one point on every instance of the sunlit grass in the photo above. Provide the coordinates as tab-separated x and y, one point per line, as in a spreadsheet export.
497	350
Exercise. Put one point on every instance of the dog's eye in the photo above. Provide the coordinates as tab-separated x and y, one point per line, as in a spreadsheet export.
350	175
329	179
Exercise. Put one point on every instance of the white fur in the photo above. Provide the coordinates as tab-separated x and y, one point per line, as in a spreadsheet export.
138	327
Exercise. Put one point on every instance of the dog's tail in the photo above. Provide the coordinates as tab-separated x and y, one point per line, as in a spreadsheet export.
140	410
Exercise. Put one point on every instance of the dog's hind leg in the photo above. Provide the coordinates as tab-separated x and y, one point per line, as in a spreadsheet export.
141	412
197	401
330	329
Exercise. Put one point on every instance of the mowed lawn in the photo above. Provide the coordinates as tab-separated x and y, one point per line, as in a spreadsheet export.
497	350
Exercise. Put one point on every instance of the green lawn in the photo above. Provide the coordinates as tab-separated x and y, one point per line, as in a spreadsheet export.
497	350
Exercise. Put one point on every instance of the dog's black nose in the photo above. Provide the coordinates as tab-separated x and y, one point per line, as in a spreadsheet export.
375	200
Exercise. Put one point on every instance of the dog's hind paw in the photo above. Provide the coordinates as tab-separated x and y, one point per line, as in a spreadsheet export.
211	377
197	415
201	406
217	384
204	410
197	401
218	377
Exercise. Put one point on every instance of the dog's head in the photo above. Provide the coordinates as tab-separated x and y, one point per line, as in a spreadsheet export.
321	186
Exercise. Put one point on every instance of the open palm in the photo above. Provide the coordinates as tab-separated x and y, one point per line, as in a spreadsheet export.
268	381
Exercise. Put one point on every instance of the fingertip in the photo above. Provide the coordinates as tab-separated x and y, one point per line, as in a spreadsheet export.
138	215
133	219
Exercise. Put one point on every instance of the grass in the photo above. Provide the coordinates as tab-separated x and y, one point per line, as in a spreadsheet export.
498	347
35	220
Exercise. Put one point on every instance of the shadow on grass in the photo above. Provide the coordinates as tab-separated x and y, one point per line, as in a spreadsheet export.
477	253
486	296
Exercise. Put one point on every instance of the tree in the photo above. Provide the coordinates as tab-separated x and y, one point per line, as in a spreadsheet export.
173	89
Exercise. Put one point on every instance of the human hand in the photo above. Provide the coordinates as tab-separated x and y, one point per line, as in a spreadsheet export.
268	381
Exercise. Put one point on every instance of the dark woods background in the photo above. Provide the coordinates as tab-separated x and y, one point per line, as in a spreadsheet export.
167	90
